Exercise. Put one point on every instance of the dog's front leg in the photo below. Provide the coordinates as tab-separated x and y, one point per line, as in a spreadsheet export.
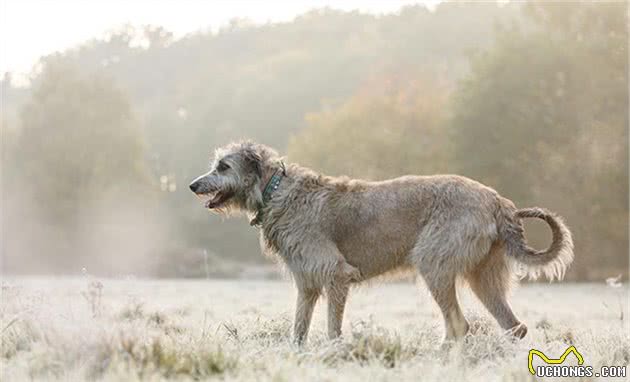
304	312
337	293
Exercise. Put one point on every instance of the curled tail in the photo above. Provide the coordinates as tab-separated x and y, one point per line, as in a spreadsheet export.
553	261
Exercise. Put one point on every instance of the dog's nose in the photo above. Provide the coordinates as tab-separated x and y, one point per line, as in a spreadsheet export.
194	186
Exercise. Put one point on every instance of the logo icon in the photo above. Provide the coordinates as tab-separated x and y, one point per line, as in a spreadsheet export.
551	361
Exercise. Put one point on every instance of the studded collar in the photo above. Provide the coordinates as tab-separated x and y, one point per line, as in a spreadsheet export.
270	187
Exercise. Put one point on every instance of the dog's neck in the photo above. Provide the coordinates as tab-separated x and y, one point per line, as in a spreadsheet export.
271	184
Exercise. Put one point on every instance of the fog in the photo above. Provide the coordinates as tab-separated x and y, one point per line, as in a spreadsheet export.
530	99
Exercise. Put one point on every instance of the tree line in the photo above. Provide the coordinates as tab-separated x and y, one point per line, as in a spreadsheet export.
531	99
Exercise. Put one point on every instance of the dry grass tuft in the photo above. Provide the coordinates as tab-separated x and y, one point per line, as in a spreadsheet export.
368	343
163	356
18	335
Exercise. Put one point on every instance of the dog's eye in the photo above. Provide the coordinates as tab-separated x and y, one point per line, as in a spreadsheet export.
222	166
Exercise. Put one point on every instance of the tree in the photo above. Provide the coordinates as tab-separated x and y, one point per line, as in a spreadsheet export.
543	117
392	126
78	138
79	146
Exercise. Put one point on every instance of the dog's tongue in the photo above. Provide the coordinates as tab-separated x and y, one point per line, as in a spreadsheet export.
212	200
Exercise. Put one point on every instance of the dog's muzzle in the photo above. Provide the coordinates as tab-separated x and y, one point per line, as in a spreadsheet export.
194	186
213	198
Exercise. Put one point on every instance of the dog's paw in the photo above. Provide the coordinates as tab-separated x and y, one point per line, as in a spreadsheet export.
519	331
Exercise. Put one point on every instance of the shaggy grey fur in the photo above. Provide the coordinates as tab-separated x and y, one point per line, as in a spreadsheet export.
332	232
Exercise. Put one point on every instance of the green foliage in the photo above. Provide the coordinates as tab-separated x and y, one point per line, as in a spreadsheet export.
392	126
543	117
78	140
75	166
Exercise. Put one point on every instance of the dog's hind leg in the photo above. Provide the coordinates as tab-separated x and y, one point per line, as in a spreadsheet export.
491	281
307	297
453	243
439	262
442	288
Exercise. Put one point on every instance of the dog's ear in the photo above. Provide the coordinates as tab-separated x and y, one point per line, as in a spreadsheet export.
254	161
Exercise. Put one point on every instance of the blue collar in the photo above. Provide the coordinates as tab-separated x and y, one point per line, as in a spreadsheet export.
270	187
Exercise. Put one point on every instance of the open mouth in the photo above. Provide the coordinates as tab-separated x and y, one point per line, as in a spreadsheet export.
214	199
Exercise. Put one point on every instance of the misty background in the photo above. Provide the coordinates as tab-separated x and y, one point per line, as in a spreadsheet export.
102	140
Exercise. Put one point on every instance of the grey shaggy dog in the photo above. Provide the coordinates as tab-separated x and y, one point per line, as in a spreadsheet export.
332	232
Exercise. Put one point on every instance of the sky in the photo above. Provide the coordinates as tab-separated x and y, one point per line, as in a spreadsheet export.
30	29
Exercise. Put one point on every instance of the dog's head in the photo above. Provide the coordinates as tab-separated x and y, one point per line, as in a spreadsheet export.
237	174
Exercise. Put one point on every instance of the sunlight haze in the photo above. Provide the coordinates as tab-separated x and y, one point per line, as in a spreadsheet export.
59	25
313	190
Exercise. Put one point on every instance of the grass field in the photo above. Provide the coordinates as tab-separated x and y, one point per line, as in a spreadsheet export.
124	330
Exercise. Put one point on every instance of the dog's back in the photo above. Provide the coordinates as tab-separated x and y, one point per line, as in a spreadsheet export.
376	225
